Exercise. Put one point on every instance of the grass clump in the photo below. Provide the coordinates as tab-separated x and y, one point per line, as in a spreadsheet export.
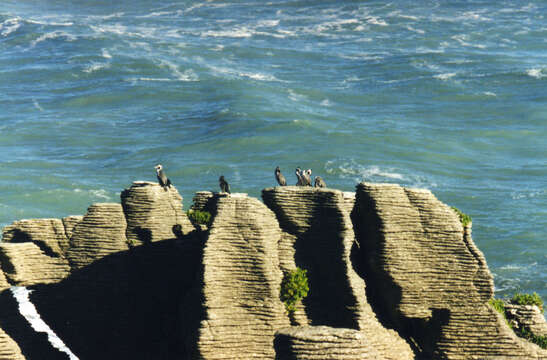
464	218
199	217
498	305
294	288
528	299
539	340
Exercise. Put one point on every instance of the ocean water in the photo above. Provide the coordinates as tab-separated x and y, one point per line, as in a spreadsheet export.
445	95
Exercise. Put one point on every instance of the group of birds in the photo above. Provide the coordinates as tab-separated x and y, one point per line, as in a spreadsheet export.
303	177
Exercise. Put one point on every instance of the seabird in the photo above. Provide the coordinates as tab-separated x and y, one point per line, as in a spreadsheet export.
298	173
224	186
306	177
279	177
162	179
319	182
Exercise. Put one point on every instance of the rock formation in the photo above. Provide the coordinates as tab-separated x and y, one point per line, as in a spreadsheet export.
48	234
153	212
528	317
25	264
240	282
101	232
427	278
321	242
322	342
392	275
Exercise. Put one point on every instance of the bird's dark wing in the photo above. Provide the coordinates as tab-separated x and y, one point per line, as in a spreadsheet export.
282	180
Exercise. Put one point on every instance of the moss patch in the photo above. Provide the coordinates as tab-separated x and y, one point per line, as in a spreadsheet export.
528	299
464	218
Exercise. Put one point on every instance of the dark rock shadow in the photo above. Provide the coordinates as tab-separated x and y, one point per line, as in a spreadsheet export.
126	305
20	236
383	293
320	251
33	345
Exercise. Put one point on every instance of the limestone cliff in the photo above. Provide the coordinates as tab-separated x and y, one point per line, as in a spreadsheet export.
240	281
427	277
322	240
392	273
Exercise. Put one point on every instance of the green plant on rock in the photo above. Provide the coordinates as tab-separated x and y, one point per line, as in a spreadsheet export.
498	305
464	218
539	340
199	217
294	288
528	299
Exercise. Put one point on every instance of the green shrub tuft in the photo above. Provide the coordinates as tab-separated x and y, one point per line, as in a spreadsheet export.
498	305
528	299
199	217
294	288
464	218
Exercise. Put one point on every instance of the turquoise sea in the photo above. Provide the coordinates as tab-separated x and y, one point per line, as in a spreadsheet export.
445	95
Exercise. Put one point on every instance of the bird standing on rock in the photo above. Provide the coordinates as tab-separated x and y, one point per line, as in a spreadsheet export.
298	173
319	182
162	178
306	177
279	177
224	186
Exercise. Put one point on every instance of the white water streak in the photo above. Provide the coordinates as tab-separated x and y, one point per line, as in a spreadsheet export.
29	312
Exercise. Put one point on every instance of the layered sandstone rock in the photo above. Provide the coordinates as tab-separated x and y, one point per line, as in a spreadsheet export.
427	277
49	234
322	342
9	350
240	282
153	213
320	240
528	317
101	232
70	222
4	284
26	264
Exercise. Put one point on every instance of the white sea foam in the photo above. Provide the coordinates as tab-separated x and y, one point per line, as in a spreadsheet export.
376	21
52	35
9	26
444	76
187	75
296	97
419	31
241	32
94	66
29	312
326	102
106	54
536	73
489	93
36	105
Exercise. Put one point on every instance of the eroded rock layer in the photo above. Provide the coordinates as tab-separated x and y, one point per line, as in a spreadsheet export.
321	241
153	213
101	232
49	234
322	342
241	282
26	264
9	350
427	277
528	317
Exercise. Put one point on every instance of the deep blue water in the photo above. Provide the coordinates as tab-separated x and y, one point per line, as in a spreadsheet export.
446	95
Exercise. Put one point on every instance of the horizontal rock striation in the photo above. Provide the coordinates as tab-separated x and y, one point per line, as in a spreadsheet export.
70	222
528	317
427	278
153	213
101	232
25	264
48	234
241	309
321	241
322	342
9	350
